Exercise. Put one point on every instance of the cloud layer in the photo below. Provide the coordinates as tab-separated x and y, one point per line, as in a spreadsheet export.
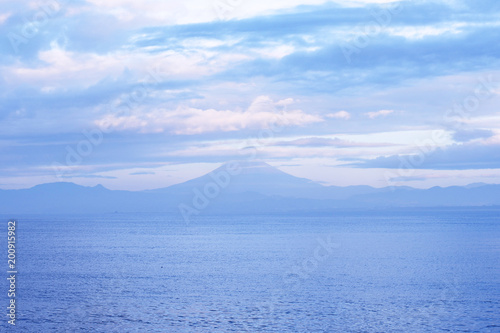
359	82
262	114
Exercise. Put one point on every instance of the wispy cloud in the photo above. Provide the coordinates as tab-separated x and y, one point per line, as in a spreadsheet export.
261	114
456	157
88	176
381	113
465	135
142	173
339	115
327	142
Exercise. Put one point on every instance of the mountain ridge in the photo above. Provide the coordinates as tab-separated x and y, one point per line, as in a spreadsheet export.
250	187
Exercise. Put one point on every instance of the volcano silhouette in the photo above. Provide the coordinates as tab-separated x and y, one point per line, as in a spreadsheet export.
240	187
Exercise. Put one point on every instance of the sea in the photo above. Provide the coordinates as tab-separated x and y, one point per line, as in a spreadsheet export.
407	270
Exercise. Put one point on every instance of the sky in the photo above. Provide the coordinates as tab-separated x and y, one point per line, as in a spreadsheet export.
141	95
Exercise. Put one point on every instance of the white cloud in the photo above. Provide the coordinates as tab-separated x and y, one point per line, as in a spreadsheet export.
328	142
381	113
276	51
62	68
275	151
339	115
261	114
153	12
419	32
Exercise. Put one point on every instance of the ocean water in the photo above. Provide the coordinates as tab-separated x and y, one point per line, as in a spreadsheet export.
400	271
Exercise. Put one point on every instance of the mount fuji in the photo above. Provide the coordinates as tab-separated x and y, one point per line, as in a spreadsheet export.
240	187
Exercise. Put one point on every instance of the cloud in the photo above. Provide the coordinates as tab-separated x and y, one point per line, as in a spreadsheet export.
261	114
339	115
88	176
469	135
407	179
194	11
327	142
142	173
381	113
59	68
466	156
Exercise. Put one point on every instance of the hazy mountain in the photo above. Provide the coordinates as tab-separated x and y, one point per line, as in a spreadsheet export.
239	187
260	177
250	176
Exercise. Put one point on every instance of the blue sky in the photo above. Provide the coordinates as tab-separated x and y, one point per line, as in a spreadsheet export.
138	95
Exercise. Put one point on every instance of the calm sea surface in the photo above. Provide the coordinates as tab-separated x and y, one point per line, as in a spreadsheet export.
404	271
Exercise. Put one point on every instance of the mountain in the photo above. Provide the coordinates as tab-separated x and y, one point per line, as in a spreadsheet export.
66	198
250	176
260	177
240	188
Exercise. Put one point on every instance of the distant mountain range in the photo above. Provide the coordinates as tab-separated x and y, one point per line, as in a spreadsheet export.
240	188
